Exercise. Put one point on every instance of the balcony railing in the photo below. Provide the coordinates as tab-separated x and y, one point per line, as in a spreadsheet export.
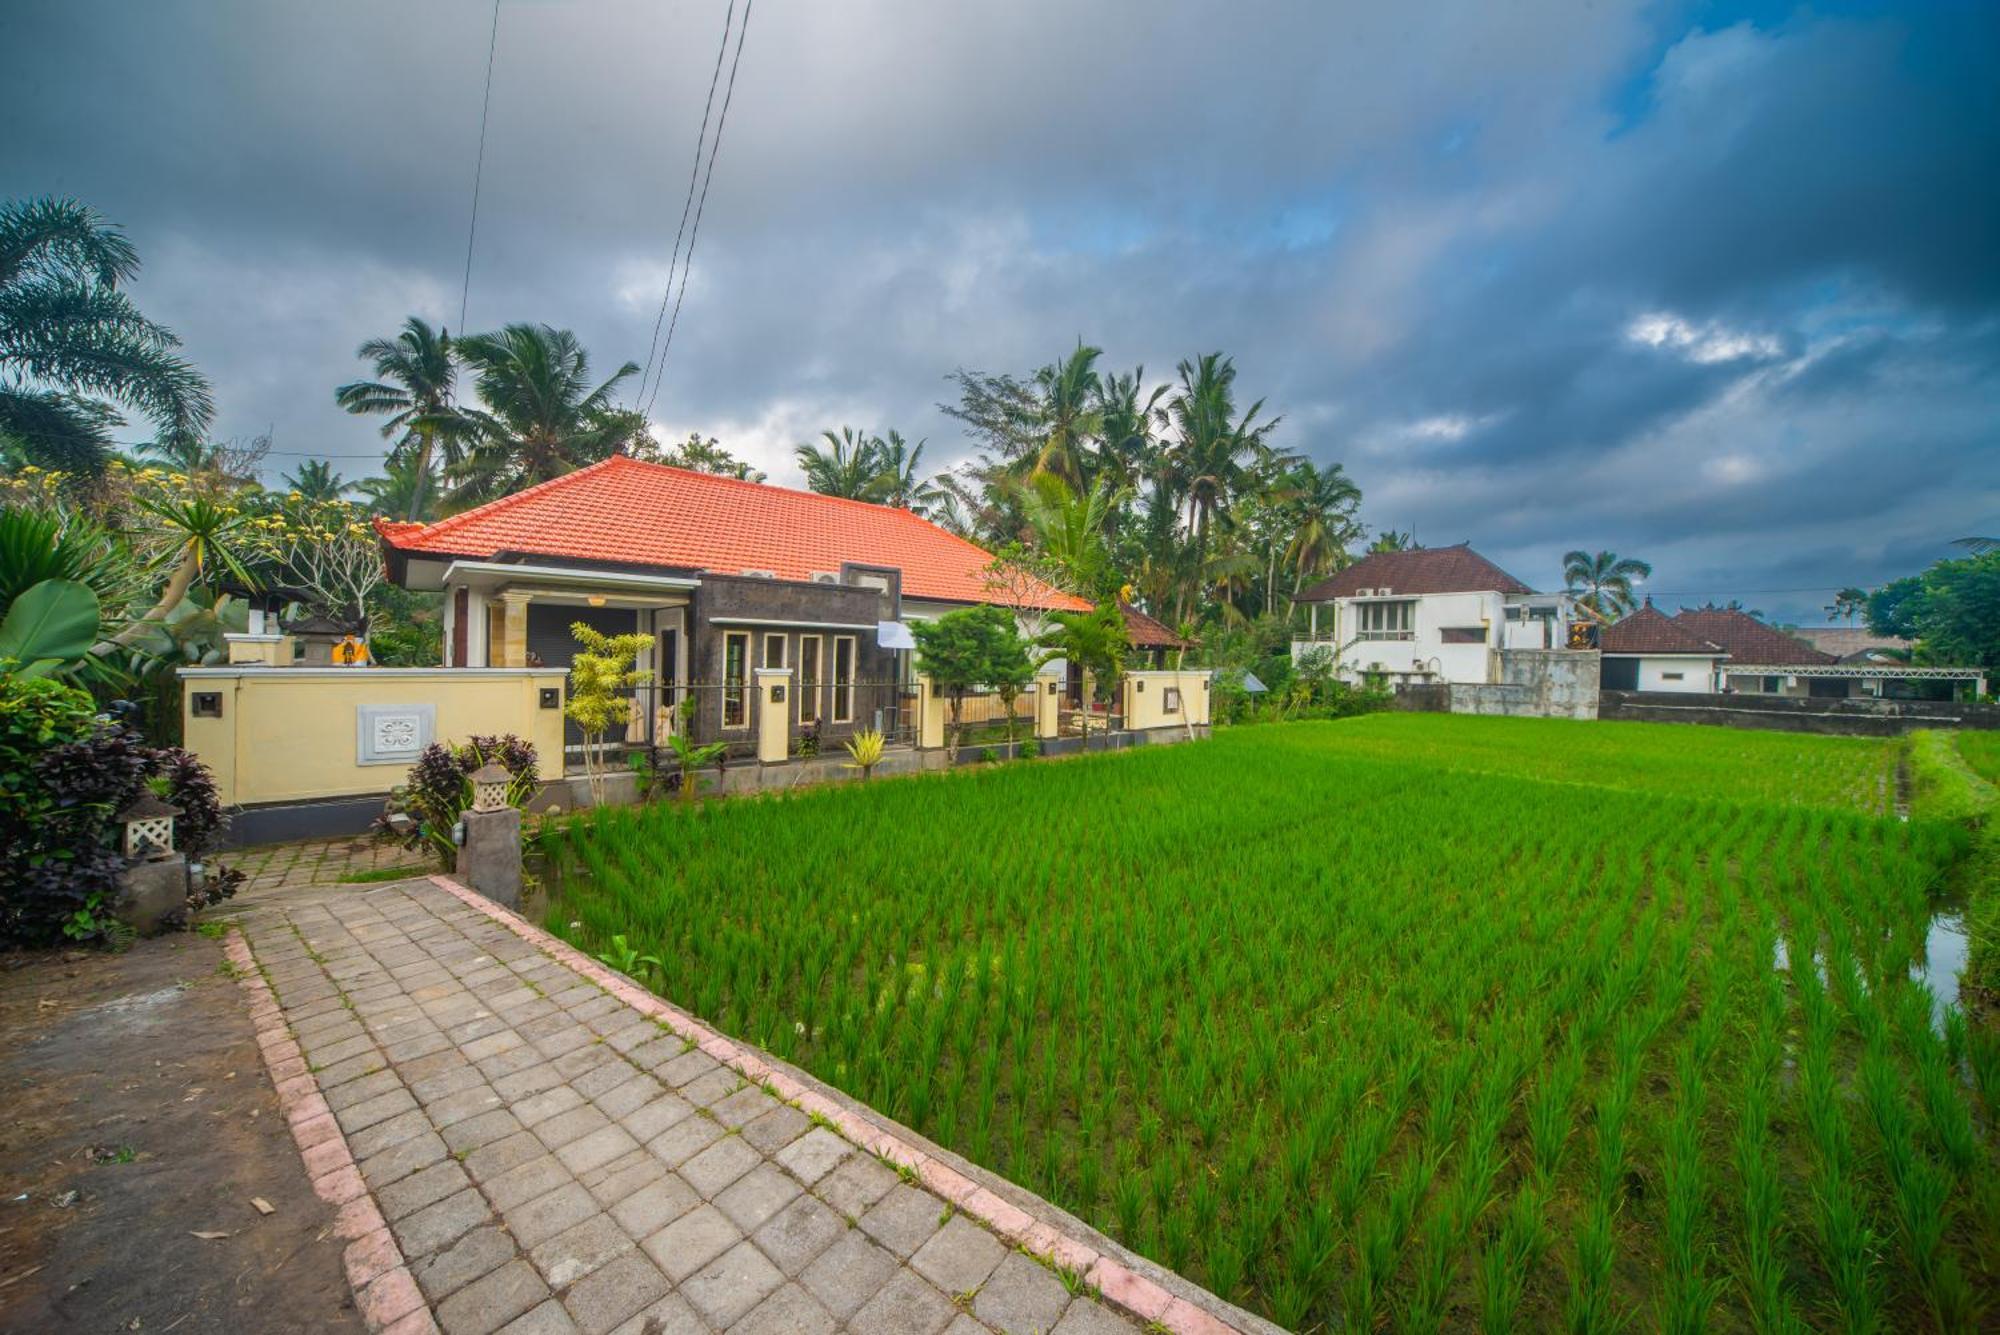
1386	635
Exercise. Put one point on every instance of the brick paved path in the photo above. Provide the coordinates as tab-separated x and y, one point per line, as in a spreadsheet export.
321	861
548	1158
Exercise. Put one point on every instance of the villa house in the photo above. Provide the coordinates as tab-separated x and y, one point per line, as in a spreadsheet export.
1650	651
1430	615
722	576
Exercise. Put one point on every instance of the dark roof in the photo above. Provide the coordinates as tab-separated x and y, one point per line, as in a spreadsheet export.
1748	640
1422	570
1649	631
1146	633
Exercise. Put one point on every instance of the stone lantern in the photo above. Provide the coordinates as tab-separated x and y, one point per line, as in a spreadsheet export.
149	827
489	787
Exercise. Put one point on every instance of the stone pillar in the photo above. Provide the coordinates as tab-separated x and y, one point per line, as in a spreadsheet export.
1195	697
514	635
774	715
490	858
1048	707
930	716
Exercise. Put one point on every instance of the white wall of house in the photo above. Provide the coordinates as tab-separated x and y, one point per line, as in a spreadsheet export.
1677	672
1346	623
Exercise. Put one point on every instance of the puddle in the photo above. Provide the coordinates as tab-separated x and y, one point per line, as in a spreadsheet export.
1945	949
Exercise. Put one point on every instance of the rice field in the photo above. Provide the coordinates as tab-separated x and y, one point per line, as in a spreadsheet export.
1981	751
1368	1025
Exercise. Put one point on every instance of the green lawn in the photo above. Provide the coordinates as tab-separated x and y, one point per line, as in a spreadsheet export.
1981	751
1367	1022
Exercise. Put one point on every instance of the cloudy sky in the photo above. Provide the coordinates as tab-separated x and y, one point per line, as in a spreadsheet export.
1712	284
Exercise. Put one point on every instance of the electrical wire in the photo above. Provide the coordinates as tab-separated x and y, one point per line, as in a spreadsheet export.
687	205
479	166
687	264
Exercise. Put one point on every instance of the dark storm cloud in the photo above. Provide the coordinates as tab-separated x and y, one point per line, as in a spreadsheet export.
1544	275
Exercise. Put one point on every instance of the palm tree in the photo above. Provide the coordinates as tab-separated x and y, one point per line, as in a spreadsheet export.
541	416
414	379
68	334
1323	505
1069	528
1210	460
896	482
850	465
1602	581
316	481
1389	540
1070	389
1128	423
402	489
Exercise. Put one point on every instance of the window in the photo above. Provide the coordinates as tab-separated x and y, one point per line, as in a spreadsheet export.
735	676
808	678
1672	676
1170	700
843	679
1386	621
1462	635
774	650
1773	685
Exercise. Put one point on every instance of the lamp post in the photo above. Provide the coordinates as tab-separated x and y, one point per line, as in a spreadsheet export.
489	858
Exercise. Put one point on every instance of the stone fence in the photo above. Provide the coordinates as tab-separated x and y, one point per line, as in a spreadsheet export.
1854	716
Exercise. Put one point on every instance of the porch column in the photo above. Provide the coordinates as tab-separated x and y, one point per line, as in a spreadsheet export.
514	634
1048	707
930	716
774	715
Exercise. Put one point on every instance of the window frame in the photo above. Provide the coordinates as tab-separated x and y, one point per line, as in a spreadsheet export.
736	692
1391	618
784	648
843	691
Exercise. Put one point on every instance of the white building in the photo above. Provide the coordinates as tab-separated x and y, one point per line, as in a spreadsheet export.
1434	614
1649	651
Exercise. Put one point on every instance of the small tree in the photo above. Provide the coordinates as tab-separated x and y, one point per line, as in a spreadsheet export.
1095	641
596	676
975	646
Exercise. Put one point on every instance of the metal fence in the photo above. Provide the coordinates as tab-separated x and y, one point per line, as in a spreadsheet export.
818	715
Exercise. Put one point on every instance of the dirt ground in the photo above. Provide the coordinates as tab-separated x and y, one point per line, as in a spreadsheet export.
135	1112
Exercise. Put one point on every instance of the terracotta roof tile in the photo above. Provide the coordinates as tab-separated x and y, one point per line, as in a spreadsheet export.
623	510
1649	631
1422	570
1748	640
1147	633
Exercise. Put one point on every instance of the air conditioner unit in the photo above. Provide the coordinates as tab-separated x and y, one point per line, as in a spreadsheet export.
1364	593
760	574
825	577
1384	591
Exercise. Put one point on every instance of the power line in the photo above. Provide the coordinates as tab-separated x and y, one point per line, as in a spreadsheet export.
694	170
479	166
728	93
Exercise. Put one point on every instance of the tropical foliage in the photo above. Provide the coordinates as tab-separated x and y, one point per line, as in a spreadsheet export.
73	344
970	648
1602	581
1952	610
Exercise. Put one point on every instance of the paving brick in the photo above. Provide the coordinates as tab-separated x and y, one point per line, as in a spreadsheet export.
470	1134
903	1220
574	1253
712	1088
523	1183
490	1161
550	1214
959	1256
756	1196
490	1303
621	1287
855	1185
789	1311
635	1093
847	1274
402	1159
683	1140
1088	1318
440	1224
550	1318
480	1252
461	1104
798	1233
360	1116
651	1208
727	1288
417	1190
539	1107
906	1305
1022	1297
686	1068
597	1149
622	1176
379	1137
813	1155
684	1246
560	1130
719	1165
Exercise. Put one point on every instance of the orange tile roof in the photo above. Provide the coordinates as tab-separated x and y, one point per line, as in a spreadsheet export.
626	511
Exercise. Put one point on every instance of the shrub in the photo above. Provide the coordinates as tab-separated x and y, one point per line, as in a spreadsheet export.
439	789
66	774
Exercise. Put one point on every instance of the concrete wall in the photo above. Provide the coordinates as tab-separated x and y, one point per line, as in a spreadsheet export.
1536	683
1677	675
1146	697
1853	716
294	734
